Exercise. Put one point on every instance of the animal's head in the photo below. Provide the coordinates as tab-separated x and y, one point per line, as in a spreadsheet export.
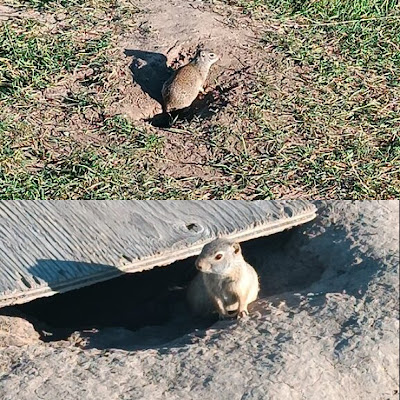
219	256
207	57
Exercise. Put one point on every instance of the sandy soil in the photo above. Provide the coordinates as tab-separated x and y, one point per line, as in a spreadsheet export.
326	327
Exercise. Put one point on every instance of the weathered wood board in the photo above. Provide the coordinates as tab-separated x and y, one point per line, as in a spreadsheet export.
47	247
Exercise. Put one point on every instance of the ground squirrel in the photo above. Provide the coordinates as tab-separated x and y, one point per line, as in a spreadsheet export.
182	88
226	283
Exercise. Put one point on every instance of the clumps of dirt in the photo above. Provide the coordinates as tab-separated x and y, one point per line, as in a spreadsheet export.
184	155
187	152
142	100
8	13
177	55
16	331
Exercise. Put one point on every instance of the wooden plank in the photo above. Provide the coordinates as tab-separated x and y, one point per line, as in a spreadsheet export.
47	247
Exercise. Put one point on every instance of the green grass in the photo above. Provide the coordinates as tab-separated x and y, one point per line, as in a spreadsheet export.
116	169
319	118
35	60
335	126
320	10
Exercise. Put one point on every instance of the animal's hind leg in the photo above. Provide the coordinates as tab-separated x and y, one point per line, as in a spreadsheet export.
242	309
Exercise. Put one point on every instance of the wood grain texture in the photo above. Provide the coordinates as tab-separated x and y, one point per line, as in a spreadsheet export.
48	247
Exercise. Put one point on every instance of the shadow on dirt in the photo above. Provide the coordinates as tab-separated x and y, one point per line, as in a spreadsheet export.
149	71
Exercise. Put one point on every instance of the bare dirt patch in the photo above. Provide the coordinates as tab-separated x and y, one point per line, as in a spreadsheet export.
169	35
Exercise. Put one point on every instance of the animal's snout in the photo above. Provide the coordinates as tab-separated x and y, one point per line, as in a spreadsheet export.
200	265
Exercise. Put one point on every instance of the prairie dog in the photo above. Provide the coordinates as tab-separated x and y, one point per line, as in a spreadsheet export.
226	283
182	88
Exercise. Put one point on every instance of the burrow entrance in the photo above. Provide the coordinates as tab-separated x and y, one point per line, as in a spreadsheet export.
148	309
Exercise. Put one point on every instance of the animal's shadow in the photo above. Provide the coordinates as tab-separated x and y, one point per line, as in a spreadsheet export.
150	71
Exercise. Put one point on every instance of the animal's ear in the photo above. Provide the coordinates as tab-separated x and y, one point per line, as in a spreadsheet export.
236	248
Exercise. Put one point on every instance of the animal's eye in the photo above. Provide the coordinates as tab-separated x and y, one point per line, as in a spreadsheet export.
212	55
218	256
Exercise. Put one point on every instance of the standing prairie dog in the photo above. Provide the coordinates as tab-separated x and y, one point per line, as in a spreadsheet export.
226	283
182	88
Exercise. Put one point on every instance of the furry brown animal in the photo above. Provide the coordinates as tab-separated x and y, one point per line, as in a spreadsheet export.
226	283
183	87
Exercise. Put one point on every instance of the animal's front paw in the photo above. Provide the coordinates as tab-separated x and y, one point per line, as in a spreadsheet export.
242	314
228	315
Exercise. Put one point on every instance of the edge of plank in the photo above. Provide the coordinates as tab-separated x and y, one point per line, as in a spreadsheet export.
159	260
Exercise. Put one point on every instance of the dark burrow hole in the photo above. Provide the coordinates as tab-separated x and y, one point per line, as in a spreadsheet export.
148	309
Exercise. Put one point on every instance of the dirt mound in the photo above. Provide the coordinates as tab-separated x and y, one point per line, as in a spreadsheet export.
167	38
16	331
